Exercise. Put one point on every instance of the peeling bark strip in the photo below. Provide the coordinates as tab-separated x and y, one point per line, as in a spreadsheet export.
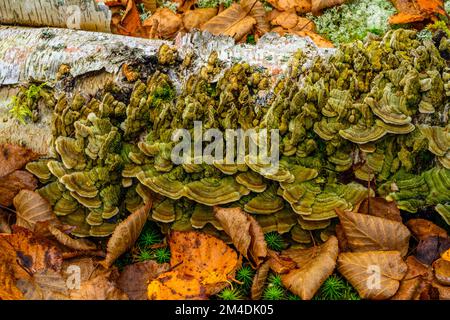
73	14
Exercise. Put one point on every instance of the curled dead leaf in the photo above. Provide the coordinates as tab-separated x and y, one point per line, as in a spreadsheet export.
44	285
301	6
68	241
126	234
375	275
442	271
245	232
101	287
416	281
380	207
318	5
259	281
314	266
366	233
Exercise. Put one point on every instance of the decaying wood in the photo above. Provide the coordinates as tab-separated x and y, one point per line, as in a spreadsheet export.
73	14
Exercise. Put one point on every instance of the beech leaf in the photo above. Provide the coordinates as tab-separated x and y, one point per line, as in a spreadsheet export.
366	233
68	241
11	185
33	208
318	5
101	287
314	266
126	234
13	157
196	18
374	274
245	232
380	207
415	282
259	281
423	229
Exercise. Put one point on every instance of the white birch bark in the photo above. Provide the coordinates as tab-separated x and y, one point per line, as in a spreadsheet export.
73	14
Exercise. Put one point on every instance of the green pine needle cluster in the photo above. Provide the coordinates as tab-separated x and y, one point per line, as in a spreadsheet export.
149	237
274	241
275	289
245	275
336	288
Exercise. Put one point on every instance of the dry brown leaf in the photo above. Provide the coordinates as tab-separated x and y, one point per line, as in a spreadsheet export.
11	184
380	207
44	285
257	11
101	287
87	267
318	5
301	6
234	22
259	281
415	282
194	19
68	241
163	24
130	23
423	229
8	289
342	239
317	39
134	278
286	19
443	292
366	233
32	208
245	232
5	226
314	264
126	234
280	264
149	5
374	274
13	157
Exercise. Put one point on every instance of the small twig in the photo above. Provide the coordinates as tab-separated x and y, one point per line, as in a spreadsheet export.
7	209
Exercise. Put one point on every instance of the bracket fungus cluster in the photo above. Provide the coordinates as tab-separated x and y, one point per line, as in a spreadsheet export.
374	110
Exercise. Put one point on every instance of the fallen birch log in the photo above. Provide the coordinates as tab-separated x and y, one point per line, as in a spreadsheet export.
72	14
93	59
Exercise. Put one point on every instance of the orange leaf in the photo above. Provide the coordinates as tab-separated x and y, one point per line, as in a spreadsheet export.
11	184
196	18
13	157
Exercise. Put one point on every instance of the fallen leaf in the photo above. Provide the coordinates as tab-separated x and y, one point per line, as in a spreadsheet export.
431	249
68	241
423	229
280	264
163	24
257	11
244	231
234	22
130	23
380	207
442	271
443	291
320	41
174	285
134	278
194	19
286	19
318	5
366	233
5	226
32	208
342	239
149	5
8	289
314	266
410	11
13	157
375	275
11	184
201	266
204	257
101	287
416	281
259	281
44	285
126	234
446	255
301	6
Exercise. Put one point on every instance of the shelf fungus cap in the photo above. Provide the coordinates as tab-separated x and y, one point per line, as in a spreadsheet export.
39	169
213	191
66	205
252	181
71	152
300	235
164	211
163	184
81	183
266	202
203	215
438	139
361	134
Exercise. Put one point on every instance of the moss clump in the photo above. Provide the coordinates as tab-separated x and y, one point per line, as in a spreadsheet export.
353	21
336	288
245	275
230	293
23	105
162	255
274	241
